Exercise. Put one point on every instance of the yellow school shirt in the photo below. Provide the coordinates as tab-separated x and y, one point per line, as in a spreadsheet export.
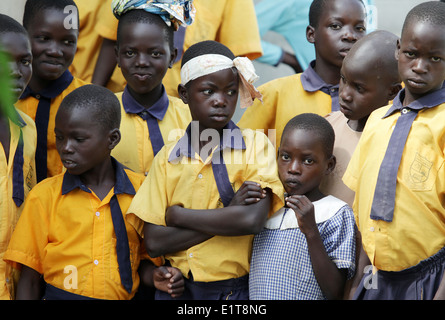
283	99
418	229
135	150
9	212
29	106
70	239
191	183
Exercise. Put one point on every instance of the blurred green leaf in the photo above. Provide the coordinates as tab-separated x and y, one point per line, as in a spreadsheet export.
6	96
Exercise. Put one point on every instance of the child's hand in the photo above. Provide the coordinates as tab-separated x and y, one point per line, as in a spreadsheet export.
169	279
304	211
250	192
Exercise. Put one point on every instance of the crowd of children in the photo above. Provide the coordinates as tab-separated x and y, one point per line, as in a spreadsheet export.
331	185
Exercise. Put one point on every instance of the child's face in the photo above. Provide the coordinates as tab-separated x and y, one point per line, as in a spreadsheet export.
302	162
53	45
341	24
144	56
212	98
421	56
17	46
362	89
83	145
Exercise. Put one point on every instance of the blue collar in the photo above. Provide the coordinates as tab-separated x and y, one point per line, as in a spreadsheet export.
312	82
122	185
157	110
55	88
232	138
428	101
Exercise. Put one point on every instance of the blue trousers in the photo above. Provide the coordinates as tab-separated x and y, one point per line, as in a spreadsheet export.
419	282
231	289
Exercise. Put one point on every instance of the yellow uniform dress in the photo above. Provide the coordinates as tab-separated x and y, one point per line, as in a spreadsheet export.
29	102
287	97
135	149
176	178
9	211
417	230
66	234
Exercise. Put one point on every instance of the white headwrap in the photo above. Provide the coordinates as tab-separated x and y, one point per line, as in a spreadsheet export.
209	63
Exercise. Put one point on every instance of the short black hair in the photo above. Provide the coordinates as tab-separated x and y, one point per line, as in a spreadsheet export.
142	16
102	104
432	12
8	24
206	47
316	124
316	10
33	7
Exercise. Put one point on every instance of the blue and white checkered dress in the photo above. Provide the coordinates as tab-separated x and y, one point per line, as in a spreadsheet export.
281	266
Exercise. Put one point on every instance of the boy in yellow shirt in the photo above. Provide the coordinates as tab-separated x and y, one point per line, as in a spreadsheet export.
53	38
190	200
334	26
18	138
145	51
73	230
397	172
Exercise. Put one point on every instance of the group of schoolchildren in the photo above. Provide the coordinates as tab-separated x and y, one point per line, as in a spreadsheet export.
104	194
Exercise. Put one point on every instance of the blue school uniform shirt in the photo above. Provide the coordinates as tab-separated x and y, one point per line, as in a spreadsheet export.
281	267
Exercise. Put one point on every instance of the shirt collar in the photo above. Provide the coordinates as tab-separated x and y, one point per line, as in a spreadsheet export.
17	119
122	185
312	82
55	88
234	140
428	101
157	110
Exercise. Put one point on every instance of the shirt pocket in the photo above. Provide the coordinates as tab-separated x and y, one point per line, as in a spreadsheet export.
420	165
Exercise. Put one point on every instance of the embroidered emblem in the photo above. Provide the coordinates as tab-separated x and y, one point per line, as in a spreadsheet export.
420	169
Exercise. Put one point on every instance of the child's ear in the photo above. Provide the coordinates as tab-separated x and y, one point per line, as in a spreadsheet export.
173	56
183	94
114	136
310	34
331	164
396	54
394	90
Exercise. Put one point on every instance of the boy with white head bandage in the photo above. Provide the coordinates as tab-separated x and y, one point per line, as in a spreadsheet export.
194	198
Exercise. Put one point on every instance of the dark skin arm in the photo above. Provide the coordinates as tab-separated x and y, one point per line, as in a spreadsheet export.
106	63
234	220
164	278
160	240
329	277
30	284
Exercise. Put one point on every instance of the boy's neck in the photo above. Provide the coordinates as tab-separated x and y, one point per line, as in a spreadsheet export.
38	84
147	99
329	73
100	179
357	125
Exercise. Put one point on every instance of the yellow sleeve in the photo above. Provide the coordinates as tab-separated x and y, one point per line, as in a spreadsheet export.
30	237
150	202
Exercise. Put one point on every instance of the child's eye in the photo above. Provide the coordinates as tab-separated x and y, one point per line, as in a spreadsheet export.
359	88
80	139
69	42
207	91
409	54
231	92
156	54
285	157
308	161
436	59
26	62
42	38
335	26
129	53
361	29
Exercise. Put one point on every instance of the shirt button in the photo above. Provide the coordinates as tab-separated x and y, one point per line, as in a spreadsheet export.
405	110
371	229
37	96
97	214
96	262
191	255
146	173
200	176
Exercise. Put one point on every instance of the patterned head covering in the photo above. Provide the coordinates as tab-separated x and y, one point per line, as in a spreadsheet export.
176	13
